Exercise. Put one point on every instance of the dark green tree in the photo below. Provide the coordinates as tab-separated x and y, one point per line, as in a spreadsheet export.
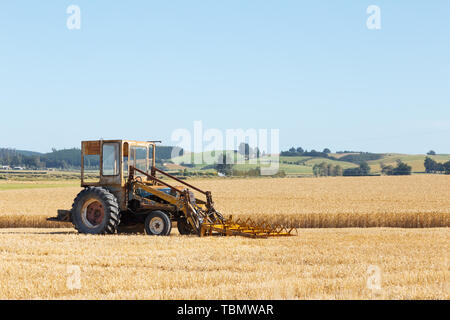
387	170
256	152
244	149
320	170
430	165
364	168
224	165
447	167
402	169
337	171
440	167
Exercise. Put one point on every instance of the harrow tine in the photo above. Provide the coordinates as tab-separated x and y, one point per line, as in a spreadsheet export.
247	228
215	224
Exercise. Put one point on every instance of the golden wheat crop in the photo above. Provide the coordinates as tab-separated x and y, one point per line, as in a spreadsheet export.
317	264
411	201
29	207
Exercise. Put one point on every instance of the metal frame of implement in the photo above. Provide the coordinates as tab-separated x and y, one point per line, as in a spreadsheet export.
201	215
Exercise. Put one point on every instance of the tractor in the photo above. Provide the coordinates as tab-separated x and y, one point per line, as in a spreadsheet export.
130	191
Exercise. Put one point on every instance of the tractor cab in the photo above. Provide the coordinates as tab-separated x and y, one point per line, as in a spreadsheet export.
109	161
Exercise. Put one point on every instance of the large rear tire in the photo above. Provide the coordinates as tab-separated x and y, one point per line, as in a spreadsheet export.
157	223
95	210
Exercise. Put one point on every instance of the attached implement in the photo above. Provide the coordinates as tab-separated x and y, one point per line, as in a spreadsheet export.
131	191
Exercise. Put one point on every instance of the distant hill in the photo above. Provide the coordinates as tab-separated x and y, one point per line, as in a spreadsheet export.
65	159
28	153
416	161
361	157
303	165
294	165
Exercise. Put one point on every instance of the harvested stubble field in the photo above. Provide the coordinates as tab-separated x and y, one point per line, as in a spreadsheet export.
317	264
407	202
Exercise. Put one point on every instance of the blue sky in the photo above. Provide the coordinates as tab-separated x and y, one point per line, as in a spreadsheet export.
141	69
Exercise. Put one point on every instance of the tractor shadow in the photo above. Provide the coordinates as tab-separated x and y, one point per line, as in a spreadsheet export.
43	233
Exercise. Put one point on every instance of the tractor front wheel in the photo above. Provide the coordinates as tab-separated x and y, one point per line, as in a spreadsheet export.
184	227
157	223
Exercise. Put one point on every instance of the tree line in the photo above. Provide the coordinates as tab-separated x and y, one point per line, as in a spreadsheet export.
295	152
432	166
225	166
354	157
401	169
65	159
325	169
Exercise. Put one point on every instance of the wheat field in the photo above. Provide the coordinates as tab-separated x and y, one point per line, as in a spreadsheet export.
418	201
318	263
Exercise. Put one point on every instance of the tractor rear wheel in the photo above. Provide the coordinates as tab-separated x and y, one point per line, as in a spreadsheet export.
157	223
95	210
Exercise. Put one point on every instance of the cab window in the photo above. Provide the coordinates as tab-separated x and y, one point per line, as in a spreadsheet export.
138	158
110	165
